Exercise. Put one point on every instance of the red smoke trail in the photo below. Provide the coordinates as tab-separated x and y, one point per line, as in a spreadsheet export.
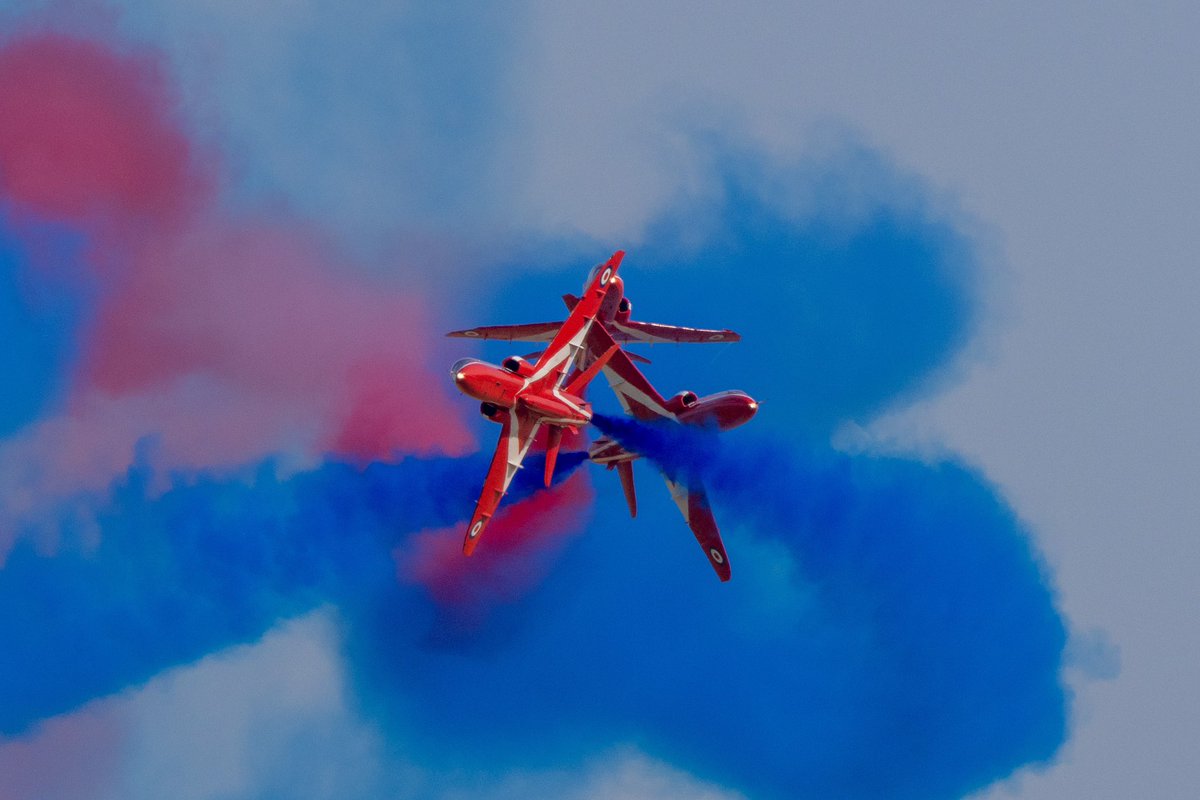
519	550
91	136
254	311
75	755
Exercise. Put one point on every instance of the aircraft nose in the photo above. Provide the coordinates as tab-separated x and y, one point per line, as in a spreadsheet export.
457	372
750	408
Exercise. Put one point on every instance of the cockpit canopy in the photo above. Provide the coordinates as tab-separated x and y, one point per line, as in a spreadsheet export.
591	276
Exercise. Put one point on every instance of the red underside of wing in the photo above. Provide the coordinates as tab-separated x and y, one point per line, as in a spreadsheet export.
704	526
493	492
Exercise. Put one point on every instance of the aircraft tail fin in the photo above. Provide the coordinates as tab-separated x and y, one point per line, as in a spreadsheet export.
580	381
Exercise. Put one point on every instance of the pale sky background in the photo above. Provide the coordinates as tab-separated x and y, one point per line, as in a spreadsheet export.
1067	136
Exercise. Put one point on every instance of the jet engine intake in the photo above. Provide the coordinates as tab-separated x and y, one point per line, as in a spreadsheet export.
681	401
517	366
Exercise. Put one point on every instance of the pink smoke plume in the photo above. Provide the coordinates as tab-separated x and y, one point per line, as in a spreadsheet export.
90	135
73	755
520	547
194	303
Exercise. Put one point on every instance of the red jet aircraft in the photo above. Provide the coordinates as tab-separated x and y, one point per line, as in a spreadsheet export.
523	396
638	397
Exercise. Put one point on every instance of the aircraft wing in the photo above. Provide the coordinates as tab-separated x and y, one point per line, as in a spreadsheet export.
693	503
531	332
654	333
642	401
515	438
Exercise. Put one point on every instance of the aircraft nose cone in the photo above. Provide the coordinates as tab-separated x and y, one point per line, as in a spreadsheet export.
749	409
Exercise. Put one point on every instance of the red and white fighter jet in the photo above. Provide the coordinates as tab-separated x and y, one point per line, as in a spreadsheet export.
523	396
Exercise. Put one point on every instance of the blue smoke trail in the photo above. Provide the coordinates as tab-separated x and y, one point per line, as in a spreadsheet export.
889	634
922	660
210	562
41	309
890	631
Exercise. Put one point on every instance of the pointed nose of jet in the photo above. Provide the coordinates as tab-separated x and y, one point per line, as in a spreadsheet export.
749	409
459	371
470	376
734	409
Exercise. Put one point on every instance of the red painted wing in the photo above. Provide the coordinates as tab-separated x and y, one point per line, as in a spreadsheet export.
531	332
653	333
516	436
693	502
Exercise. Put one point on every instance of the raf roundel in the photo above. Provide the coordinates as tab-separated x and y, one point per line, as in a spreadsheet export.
604	276
716	555
476	528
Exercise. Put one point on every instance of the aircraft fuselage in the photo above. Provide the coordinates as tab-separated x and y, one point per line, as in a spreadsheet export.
723	410
502	388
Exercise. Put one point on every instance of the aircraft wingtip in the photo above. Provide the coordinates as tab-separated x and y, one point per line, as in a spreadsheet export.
472	538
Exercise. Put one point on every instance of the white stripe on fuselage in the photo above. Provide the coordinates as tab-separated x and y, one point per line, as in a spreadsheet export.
626	391
516	450
558	360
